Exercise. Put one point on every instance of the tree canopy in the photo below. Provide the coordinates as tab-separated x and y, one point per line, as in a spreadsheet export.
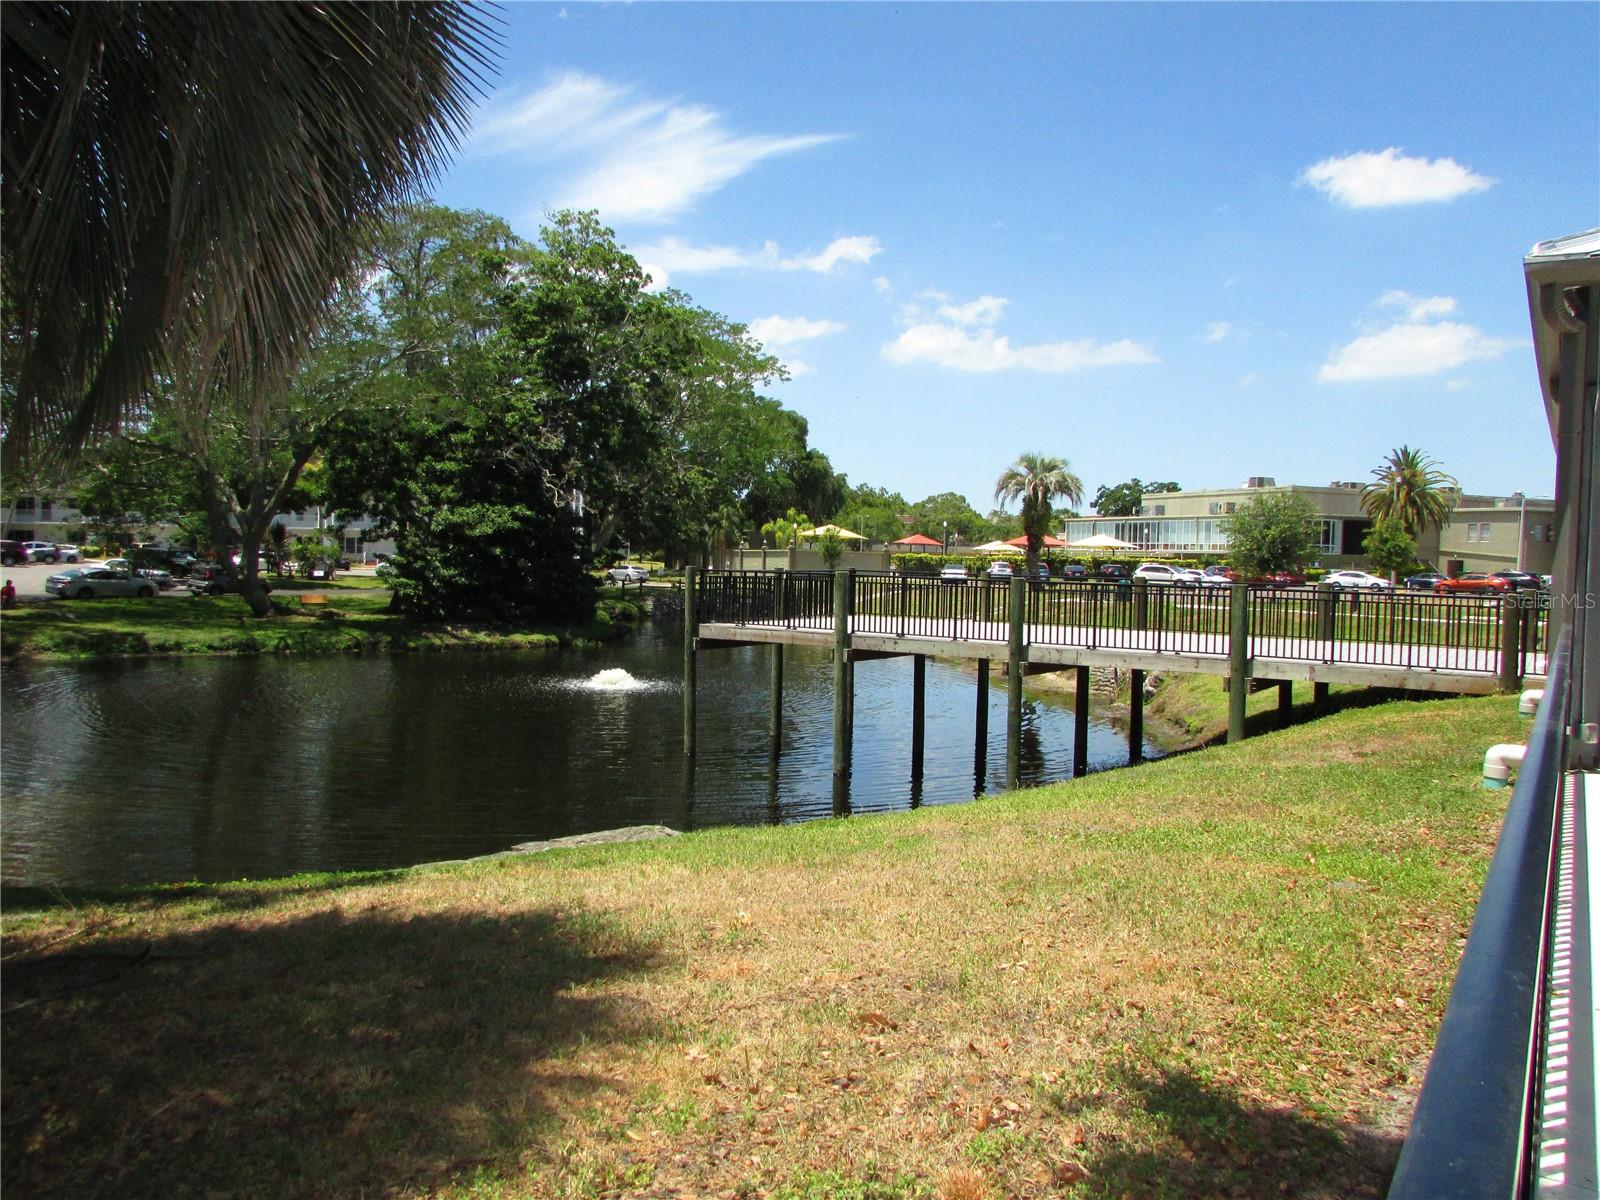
1122	499
1410	488
195	178
1275	531
1037	480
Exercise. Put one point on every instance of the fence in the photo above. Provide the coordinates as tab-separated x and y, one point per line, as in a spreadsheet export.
1415	630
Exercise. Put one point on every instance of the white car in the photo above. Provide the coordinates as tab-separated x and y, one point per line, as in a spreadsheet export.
162	579
1164	573
628	573
1000	569
953	573
86	583
42	552
1352	580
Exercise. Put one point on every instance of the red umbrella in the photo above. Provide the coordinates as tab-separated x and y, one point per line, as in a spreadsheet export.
917	539
1048	542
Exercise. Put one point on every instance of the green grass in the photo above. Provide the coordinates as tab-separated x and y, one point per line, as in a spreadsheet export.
1203	976
355	620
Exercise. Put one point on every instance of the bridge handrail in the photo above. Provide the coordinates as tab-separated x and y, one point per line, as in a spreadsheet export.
1472	1134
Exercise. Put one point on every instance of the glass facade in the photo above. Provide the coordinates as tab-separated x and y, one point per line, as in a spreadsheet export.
1180	535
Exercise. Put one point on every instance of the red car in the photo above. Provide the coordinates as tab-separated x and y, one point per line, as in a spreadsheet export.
1475	581
1284	579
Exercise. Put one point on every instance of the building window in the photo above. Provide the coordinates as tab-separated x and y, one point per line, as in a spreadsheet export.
1158	510
1538	533
1229	506
25	505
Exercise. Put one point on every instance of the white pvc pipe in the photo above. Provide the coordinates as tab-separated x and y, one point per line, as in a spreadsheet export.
1498	763
1529	703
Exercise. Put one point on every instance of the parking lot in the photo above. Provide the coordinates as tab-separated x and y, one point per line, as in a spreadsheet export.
29	579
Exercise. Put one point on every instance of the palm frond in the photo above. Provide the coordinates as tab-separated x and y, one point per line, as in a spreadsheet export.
200	174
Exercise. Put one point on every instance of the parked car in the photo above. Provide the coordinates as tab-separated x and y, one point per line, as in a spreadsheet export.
1287	578
953	573
69	553
1423	582
1163	573
88	583
210	579
1472	582
12	553
1346	581
1074	571
164	558
1114	571
1218	576
156	575
41	552
628	573
1000	569
1521	580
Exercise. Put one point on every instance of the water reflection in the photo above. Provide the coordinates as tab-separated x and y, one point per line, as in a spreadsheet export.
230	768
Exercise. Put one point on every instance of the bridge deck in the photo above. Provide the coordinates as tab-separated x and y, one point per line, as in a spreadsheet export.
1375	664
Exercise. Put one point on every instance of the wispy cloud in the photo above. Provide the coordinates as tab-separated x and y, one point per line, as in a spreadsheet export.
1418	308
632	158
1415	346
786	331
1218	331
671	256
1368	180
960	337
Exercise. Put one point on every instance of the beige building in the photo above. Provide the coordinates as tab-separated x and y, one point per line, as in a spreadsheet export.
1485	533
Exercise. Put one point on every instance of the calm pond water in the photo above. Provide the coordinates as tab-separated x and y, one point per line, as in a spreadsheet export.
230	768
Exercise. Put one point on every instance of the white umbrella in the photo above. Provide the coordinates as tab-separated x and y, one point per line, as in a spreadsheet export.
997	548
1100	541
842	533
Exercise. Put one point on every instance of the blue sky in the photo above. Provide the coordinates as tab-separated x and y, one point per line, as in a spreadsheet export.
1193	242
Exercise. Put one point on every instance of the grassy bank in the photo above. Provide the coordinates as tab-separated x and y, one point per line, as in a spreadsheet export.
354	619
1214	975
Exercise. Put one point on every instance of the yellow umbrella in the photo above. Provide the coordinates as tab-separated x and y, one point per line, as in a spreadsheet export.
838	531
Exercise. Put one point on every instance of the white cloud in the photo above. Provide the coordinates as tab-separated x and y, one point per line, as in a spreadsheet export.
1217	331
984	350
1418	308
882	286
1249	379
671	255
1409	350
797	368
1368	180
985	310
633	159
785	331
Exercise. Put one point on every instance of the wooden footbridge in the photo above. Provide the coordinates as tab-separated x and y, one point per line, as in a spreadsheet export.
1252	637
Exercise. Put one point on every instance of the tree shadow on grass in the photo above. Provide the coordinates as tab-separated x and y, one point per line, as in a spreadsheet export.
21	898
339	1053
1210	1141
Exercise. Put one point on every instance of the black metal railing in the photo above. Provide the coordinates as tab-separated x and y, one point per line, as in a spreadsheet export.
1472	1136
1408	630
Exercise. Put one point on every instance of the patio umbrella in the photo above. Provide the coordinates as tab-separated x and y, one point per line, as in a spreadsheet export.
837	530
996	548
917	539
1048	542
1101	541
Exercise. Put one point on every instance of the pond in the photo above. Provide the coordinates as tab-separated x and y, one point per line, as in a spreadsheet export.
134	772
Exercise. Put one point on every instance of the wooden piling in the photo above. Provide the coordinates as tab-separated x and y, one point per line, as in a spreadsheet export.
841	678
1135	717
1510	643
690	628
1319	698
1080	726
775	718
1238	659
1285	703
919	688
980	734
1014	653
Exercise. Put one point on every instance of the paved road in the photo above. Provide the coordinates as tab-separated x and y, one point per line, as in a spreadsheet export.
29	579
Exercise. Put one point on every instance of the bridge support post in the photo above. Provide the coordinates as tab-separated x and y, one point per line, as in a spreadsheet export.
1510	643
775	718
1319	698
1080	725
841	678
1238	659
1285	703
919	710
1135	716
1014	657
690	628
980	733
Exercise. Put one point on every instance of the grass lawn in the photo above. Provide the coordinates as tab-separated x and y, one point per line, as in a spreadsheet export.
355	618
1215	975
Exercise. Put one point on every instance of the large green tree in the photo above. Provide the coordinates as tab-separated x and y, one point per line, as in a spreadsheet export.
1036	481
872	512
1389	548
1410	488
183	184
1123	499
948	512
1275	531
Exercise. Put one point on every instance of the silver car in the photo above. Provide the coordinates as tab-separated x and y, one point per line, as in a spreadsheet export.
88	583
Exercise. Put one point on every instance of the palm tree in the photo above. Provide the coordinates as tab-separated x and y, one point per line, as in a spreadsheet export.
1037	480
1410	488
199	175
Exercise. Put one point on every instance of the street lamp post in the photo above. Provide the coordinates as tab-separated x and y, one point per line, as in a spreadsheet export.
946	548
